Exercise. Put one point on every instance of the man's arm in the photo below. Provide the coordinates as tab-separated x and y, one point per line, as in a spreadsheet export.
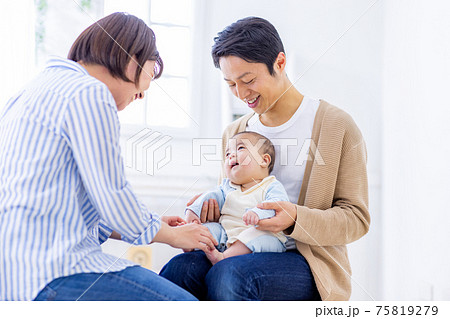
346	220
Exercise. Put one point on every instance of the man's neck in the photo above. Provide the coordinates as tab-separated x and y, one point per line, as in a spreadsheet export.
283	109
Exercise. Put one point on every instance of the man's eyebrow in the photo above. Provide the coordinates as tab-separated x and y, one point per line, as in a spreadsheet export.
239	77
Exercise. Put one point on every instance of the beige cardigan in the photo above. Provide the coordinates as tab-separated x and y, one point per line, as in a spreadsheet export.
332	208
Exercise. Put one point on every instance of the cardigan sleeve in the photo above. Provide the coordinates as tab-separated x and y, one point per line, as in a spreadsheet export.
348	218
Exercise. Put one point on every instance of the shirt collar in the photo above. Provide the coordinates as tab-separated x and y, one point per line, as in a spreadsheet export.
55	61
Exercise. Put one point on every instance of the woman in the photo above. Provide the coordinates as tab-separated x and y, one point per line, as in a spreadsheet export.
327	188
62	183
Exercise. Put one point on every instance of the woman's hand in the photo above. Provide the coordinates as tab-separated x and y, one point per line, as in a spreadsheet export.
285	216
189	236
173	220
210	210
193	236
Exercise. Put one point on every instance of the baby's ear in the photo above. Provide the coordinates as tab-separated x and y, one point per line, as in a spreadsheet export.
265	160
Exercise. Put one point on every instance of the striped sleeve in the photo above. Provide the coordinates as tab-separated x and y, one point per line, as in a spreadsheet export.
104	232
92	132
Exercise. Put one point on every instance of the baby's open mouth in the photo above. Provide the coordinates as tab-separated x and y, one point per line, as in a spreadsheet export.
232	165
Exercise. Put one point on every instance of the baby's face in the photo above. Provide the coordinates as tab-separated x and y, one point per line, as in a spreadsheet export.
244	161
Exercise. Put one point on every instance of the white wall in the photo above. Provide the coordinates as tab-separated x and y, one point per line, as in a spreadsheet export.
17	47
416	150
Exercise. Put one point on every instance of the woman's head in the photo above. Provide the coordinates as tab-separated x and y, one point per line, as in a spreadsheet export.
251	56
113	41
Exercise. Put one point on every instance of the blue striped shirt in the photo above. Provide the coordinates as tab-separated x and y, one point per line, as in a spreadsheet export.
62	182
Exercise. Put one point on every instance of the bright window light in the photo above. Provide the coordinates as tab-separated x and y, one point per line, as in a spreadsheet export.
167	102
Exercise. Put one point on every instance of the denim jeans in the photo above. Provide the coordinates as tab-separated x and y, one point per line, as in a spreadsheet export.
257	276
132	283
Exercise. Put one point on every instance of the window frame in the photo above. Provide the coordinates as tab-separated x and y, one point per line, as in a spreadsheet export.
193	76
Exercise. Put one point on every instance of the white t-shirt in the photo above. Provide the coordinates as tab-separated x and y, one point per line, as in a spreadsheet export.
291	140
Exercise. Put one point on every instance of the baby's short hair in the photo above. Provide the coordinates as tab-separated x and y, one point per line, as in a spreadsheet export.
266	148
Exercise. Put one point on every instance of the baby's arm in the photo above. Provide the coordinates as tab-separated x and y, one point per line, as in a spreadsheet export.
194	210
275	193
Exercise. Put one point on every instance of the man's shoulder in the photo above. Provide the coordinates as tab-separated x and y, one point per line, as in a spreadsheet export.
335	116
337	122
331	112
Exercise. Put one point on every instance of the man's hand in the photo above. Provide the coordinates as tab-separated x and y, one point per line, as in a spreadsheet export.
250	218
210	210
285	216
191	217
173	220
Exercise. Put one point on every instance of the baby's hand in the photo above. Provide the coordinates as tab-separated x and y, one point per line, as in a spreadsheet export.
250	218
191	217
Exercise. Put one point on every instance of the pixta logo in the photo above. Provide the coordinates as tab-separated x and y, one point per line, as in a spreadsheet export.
147	152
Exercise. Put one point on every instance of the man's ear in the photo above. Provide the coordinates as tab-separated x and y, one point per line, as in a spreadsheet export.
280	62
265	160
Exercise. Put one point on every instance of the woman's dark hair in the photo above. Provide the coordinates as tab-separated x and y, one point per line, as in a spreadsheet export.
113	41
252	39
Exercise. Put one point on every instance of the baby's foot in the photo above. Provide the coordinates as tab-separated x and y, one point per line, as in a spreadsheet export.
214	256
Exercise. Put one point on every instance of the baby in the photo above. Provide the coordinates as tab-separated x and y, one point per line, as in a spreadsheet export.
249	159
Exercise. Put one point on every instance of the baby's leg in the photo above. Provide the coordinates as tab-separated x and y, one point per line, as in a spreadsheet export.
261	244
219	234
266	244
236	249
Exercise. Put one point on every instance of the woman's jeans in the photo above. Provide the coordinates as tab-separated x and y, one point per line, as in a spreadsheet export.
257	276
132	283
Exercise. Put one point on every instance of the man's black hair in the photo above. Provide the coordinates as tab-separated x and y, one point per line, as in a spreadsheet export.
252	39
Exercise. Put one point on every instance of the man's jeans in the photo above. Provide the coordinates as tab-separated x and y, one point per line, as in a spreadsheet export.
257	276
132	283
